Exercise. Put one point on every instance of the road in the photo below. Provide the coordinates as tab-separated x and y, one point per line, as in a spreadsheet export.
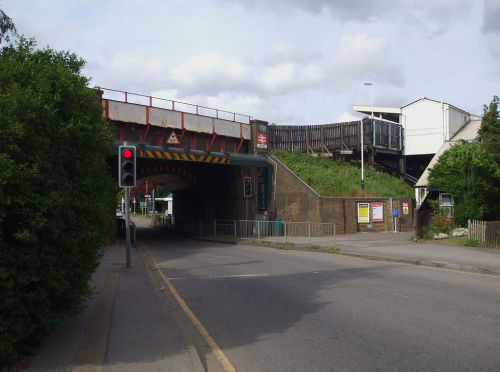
284	310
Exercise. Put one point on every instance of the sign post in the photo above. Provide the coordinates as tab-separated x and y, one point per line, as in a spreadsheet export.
127	224
127	179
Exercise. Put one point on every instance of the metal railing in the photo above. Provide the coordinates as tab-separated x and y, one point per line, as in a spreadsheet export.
170	104
301	233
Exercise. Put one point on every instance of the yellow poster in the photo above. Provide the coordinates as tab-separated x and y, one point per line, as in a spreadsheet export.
363	212
405	208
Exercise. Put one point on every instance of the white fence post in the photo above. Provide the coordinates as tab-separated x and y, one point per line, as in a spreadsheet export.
335	235
309	233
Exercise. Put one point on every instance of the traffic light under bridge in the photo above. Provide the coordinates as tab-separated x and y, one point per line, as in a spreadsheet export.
126	166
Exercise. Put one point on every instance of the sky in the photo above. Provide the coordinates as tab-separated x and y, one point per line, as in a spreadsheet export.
283	61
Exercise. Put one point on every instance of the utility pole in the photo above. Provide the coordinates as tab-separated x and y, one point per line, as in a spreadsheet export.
127	179
127	224
362	143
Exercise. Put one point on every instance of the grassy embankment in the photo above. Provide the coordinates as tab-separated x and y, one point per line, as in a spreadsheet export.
336	178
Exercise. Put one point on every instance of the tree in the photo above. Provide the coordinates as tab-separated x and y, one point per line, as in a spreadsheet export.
489	133
6	26
57	194
469	173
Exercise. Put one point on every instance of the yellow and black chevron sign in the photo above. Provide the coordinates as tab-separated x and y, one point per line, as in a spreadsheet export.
153	154
146	171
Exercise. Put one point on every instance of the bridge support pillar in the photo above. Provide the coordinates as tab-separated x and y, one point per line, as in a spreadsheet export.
371	158
402	169
259	143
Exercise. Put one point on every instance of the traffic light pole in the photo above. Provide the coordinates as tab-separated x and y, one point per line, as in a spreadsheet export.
127	224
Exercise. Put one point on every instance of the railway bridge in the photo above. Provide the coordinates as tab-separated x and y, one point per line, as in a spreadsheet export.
203	156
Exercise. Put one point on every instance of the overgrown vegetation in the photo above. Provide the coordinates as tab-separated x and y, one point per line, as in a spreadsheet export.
336	178
471	172
58	198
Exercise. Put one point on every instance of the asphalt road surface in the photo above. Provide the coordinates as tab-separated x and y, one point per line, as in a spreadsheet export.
284	310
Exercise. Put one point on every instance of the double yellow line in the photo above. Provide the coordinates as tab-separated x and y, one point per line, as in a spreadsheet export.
221	357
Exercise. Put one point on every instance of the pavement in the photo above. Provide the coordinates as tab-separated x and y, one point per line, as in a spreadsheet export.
129	326
398	247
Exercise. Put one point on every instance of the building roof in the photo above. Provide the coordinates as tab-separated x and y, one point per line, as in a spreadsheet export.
377	109
433	100
367	109
468	132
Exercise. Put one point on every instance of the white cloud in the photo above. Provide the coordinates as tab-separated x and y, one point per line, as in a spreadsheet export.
436	16
356	45
364	58
347	116
295	61
209	71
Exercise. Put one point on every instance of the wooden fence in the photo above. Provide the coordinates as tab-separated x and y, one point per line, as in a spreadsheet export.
487	233
336	137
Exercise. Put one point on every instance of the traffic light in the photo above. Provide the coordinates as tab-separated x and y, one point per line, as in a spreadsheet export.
126	166
247	187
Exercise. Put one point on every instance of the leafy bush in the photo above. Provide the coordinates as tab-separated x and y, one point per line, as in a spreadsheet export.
428	234
469	172
443	225
57	202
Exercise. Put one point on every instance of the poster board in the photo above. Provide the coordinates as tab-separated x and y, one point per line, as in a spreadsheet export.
363	212
377	212
405	208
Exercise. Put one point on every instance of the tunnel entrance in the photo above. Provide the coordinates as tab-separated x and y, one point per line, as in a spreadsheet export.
205	185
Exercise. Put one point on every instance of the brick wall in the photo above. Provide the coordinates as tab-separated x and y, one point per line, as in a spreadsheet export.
295	201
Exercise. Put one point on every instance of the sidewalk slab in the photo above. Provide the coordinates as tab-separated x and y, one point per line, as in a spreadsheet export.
126	327
143	335
398	247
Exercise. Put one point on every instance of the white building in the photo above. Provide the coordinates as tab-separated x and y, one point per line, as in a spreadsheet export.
427	123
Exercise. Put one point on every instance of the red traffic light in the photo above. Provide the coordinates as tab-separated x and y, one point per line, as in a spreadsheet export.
127	154
247	180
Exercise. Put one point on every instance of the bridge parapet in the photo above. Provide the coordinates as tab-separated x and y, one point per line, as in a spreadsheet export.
131	112
342	138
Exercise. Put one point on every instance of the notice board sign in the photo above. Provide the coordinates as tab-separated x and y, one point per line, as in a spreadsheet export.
377	212
363	212
405	208
262	141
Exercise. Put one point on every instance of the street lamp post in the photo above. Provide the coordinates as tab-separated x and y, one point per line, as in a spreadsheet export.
362	147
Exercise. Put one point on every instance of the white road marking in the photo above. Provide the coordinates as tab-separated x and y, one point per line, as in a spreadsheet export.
223	276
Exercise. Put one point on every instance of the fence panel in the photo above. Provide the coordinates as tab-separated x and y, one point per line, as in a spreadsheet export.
273	231
487	233
492	234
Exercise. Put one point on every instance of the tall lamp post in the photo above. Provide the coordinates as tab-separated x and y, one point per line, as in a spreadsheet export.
362	147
